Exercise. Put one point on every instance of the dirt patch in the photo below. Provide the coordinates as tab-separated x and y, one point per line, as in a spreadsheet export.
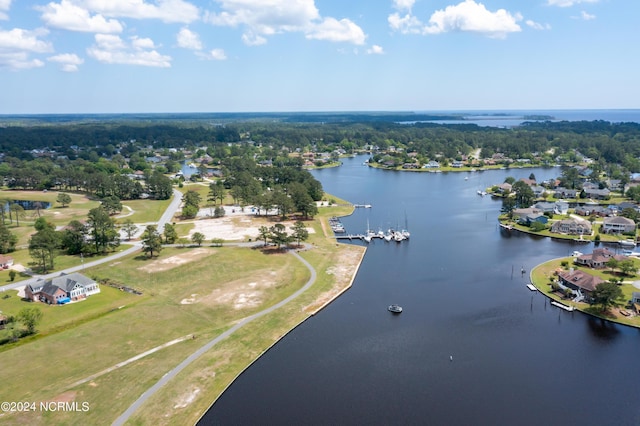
68	396
241	294
171	262
187	398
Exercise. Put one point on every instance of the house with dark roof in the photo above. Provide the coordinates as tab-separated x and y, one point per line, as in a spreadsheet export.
598	258
579	281
62	289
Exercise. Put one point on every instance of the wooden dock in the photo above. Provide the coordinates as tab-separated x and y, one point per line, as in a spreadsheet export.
561	306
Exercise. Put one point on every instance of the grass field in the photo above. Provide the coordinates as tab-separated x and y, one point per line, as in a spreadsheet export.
199	291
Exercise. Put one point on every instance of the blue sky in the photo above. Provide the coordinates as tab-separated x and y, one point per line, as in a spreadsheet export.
103	56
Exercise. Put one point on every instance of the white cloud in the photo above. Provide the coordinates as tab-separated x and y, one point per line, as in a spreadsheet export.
68	61
585	16
568	3
403	4
69	16
262	18
375	50
170	11
17	45
4	8
18	61
111	49
406	24
217	54
187	39
333	30
473	17
537	25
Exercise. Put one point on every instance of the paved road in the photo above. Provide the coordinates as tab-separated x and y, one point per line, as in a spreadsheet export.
191	358
165	218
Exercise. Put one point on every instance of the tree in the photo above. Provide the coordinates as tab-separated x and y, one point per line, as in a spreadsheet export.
8	240
189	211
151	241
612	263
112	204
74	237
607	294
524	194
300	232
102	230
64	199
264	234
192	198
278	235
129	228
42	223
197	238
30	317
43	246
18	212
12	275
170	234
627	267
218	211
216	191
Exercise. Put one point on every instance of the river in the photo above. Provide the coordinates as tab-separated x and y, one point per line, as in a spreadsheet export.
473	345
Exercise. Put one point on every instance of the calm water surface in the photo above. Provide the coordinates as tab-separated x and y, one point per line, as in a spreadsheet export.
516	360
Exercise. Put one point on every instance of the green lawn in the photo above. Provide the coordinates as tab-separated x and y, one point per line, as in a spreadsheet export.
541	277
144	210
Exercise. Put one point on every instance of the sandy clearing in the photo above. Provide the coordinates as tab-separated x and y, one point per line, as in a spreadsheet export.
234	228
167	263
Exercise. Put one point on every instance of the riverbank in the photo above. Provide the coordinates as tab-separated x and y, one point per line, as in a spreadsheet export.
542	275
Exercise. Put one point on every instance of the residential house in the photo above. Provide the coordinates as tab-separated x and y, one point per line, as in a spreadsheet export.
457	164
504	188
6	261
598	194
432	165
62	289
529	182
538	190
579	281
635	301
521	214
561	192
572	226
591	209
598	258
618	225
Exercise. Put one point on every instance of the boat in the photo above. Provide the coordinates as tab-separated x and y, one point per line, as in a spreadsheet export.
396	309
627	243
482	193
397	236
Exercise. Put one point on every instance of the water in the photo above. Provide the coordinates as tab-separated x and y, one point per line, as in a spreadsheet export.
516	359
513	118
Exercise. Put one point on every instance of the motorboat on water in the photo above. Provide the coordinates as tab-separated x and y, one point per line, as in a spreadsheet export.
396	309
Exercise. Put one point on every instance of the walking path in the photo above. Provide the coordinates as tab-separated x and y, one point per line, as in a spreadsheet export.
191	358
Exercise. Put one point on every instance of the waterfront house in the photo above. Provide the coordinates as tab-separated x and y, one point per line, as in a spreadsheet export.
504	188
62	289
635	301
521	214
579	281
572	226
432	165
618	225
598	258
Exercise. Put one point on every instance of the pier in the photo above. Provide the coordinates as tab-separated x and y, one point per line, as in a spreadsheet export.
562	306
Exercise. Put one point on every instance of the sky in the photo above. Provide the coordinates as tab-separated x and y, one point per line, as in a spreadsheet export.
134	56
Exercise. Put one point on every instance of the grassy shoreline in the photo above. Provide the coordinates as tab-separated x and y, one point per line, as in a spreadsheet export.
541	278
160	316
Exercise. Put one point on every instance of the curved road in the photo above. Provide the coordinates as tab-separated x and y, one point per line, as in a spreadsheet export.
165	218
191	358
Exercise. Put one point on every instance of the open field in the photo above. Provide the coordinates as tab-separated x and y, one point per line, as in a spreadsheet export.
199	291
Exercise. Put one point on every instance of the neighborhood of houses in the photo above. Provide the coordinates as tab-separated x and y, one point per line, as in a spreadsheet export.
578	221
579	284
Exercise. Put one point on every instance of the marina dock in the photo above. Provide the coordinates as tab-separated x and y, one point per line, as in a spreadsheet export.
532	287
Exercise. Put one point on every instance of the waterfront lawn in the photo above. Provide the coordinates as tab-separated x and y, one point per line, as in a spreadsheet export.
542	274
201	297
